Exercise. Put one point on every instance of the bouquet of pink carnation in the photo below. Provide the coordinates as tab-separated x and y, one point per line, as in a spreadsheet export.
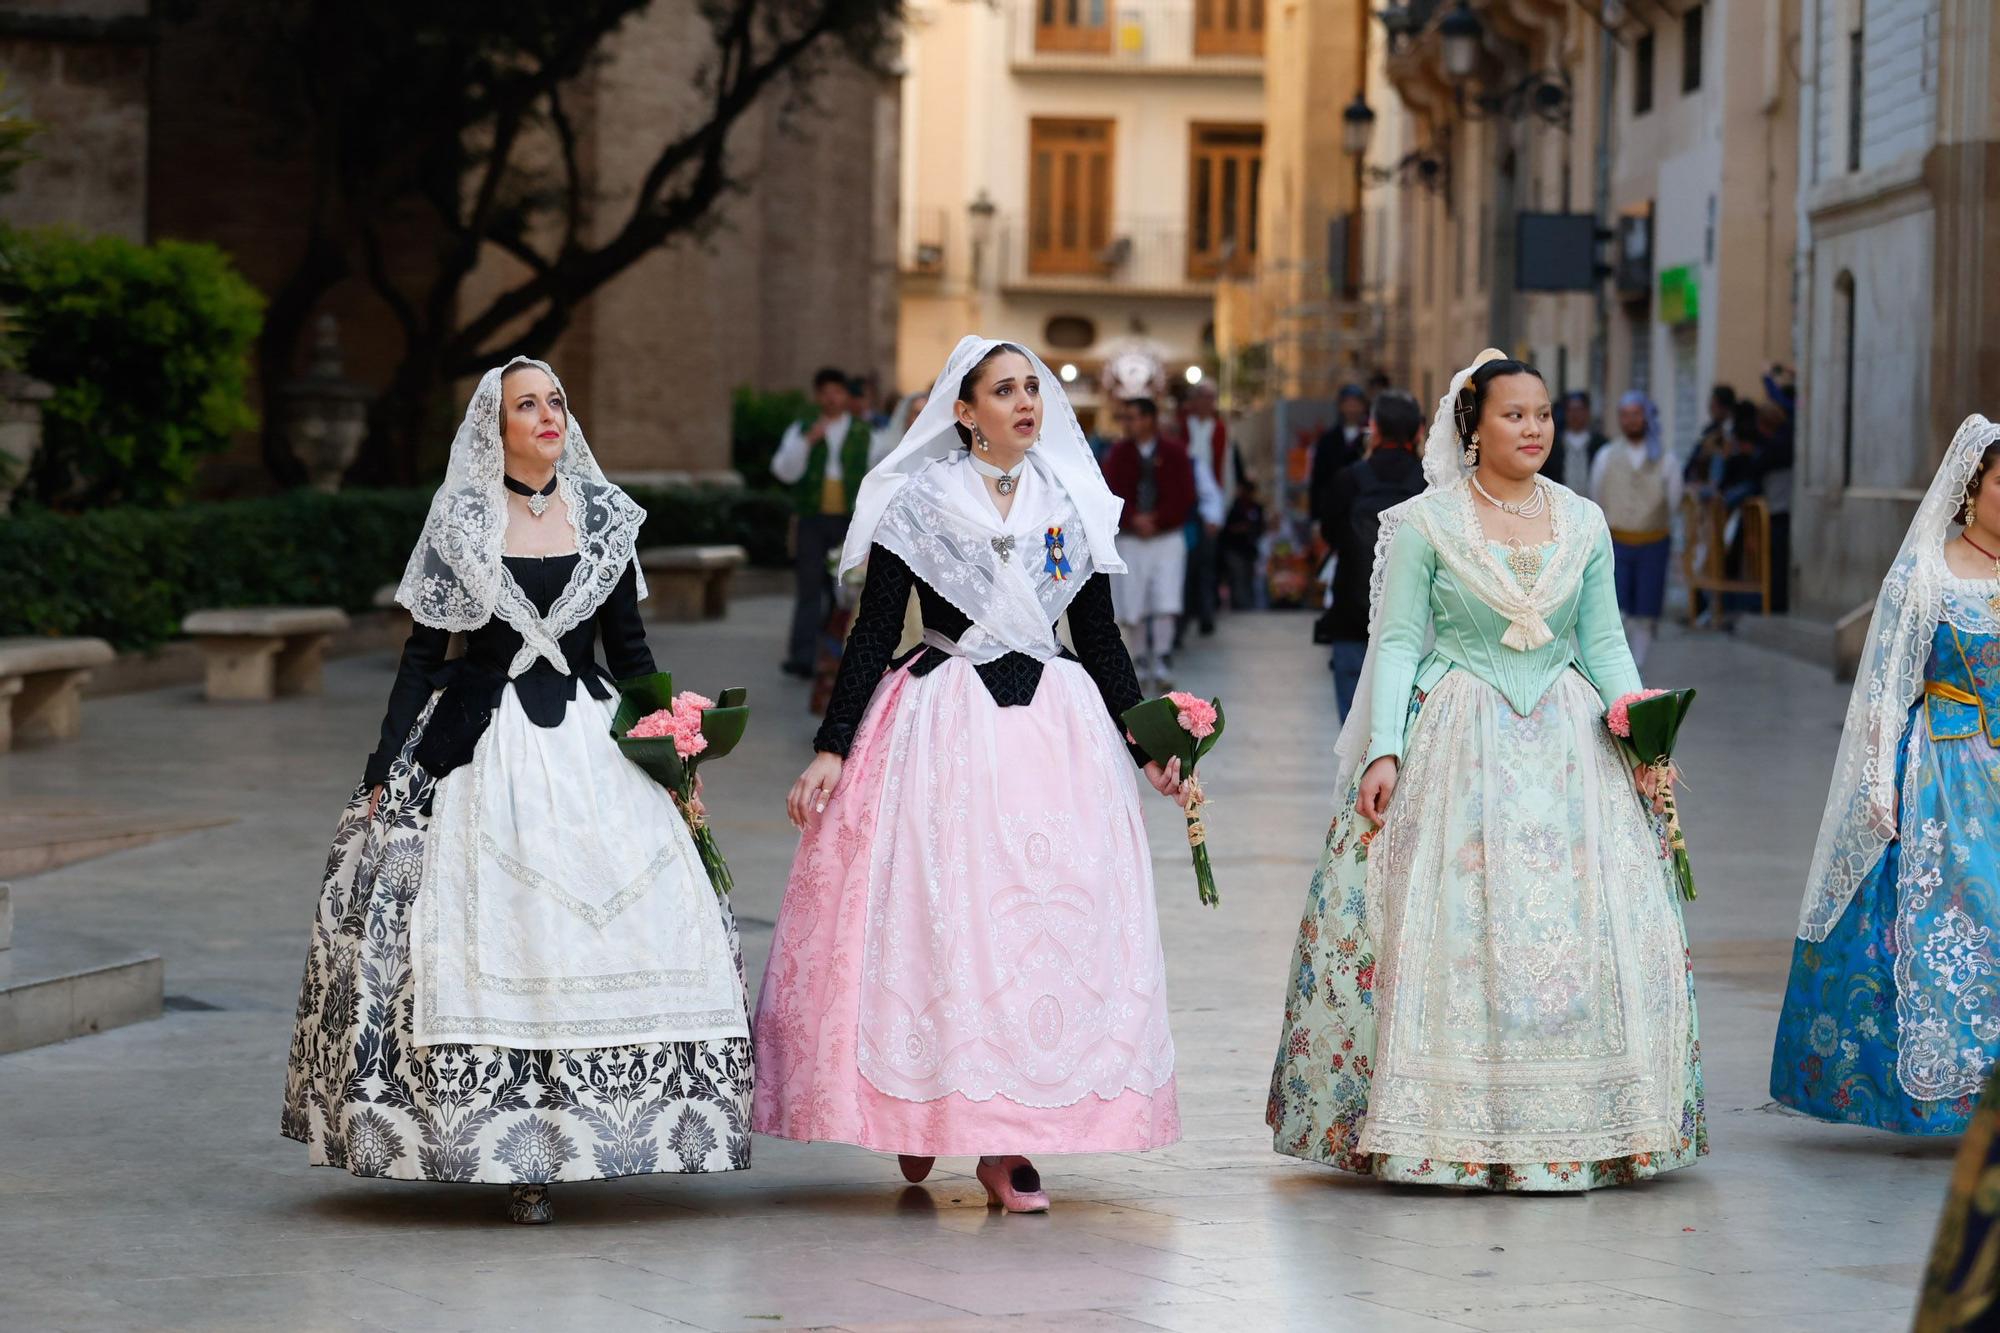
1649	721
1180	726
670	736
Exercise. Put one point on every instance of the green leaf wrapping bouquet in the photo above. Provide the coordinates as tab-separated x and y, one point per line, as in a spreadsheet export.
1181	726
670	736
1649	721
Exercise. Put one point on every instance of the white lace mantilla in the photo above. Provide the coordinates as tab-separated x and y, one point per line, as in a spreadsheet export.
457	578
1861	807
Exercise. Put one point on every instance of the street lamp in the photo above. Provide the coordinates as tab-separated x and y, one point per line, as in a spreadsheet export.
981	210
1357	127
1462	33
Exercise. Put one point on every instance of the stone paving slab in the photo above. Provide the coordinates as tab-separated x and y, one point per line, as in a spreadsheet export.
143	1184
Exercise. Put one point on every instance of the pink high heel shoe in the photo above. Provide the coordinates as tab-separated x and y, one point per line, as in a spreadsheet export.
1012	1183
915	1168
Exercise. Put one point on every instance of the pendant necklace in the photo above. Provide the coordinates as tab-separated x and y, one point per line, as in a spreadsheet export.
1994	601
1003	480
538	501
1524	562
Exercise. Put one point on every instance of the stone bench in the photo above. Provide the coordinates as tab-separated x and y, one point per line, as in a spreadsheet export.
41	686
690	582
260	652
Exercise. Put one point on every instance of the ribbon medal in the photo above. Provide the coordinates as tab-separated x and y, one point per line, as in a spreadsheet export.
1053	560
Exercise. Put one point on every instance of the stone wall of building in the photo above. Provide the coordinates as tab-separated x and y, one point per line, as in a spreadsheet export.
796	270
79	69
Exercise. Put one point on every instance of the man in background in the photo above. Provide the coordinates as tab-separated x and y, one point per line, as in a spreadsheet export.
1391	472
823	461
1207	438
1155	479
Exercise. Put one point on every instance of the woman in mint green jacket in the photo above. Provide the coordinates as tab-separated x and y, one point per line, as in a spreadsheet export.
1491	986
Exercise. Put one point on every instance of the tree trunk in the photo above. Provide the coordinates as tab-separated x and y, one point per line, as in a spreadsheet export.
285	323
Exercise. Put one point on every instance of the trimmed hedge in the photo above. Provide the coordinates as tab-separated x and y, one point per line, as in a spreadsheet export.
148	347
129	574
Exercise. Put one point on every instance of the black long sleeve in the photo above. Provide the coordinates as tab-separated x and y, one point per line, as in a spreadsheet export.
423	654
871	643
623	631
1093	628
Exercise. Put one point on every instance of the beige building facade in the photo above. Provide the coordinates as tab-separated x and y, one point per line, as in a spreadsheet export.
1077	174
1672	125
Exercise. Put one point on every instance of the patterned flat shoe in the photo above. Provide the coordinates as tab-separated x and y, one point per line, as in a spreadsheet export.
1013	1183
530	1205
915	1168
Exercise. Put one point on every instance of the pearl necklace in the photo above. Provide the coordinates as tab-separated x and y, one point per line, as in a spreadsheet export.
1004	481
1531	507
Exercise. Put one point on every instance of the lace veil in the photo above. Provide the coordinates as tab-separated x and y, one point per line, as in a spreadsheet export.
456	579
1445	515
1861	805
912	505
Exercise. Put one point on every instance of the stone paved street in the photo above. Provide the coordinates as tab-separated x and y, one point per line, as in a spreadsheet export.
143	1184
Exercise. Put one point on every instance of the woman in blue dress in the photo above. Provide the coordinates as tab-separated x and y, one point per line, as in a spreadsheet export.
1892	1012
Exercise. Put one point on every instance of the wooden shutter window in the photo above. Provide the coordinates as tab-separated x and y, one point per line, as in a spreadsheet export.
1080	27
1069	195
1229	27
1225	172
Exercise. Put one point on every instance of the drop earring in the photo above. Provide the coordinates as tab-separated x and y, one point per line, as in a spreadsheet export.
1472	451
979	439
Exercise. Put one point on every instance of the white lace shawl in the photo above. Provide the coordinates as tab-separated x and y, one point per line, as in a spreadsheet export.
997	574
456	578
1446	516
1861	805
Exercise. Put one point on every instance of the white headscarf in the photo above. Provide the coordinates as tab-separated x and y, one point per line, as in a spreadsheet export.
1861	804
1445	514
910	504
456	578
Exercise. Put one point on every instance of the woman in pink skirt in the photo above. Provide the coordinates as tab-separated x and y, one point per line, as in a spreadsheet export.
968	959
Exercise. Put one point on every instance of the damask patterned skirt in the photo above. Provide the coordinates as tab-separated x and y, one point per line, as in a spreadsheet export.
1492	990
968	959
361	1095
1890	1021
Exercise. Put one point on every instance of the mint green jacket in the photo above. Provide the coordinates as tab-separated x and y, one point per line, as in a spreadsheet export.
1420	594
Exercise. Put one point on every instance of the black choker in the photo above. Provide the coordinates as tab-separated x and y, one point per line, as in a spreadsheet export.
538	501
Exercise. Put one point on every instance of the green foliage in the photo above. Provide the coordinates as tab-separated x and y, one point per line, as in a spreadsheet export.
757	424
129	574
758	521
15	132
148	349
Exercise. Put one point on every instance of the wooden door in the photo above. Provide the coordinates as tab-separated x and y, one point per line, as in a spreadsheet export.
1076	26
1229	27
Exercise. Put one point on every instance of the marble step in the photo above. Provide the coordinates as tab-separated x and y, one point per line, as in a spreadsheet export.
55	985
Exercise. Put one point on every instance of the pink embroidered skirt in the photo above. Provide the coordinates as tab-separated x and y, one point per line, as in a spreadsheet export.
968	958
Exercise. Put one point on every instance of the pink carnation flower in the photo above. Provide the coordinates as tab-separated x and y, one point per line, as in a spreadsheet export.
682	728
1197	716
1619	719
653	726
689	701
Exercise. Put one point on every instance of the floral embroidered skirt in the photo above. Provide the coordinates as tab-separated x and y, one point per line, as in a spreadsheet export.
361	1095
968	959
1903	988
1492	990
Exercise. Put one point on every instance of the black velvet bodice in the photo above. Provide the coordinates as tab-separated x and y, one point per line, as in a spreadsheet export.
1011	680
474	684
